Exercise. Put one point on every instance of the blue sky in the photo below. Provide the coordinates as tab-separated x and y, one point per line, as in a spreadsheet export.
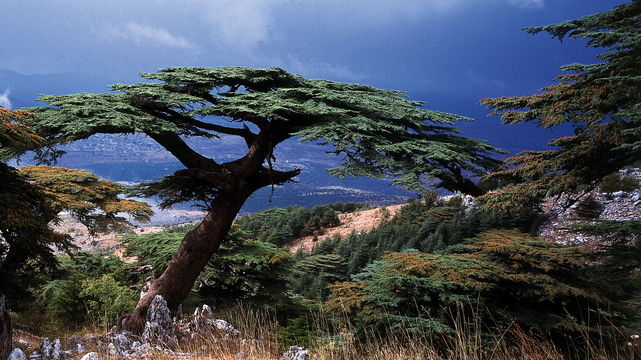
447	52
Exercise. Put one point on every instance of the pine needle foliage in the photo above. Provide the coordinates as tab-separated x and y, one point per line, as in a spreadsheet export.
375	132
94	202
31	198
244	270
499	275
602	101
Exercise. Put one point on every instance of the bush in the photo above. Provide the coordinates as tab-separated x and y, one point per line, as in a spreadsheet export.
105	300
75	302
619	182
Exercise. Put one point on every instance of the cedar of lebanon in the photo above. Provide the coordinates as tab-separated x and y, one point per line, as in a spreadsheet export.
374	132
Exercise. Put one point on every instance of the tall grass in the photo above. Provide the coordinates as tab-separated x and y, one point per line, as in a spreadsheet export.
331	340
338	340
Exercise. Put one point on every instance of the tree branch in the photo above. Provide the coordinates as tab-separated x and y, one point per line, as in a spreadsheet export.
185	154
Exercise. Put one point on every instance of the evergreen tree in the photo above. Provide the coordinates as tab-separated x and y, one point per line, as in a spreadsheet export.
377	132
602	101
499	275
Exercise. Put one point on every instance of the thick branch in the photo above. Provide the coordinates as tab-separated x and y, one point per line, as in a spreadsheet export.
186	155
266	177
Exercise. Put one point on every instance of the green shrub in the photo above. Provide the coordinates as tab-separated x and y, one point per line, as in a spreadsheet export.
60	299
105	300
242	270
619	182
76	301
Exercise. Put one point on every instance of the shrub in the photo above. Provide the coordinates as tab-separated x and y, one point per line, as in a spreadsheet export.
105	300
76	301
619	182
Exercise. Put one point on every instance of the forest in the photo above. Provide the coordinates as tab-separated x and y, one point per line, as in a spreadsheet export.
534	255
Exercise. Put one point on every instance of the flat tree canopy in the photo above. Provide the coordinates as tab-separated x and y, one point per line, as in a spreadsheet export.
374	132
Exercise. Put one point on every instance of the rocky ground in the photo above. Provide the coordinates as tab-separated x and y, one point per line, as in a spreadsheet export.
197	336
618	206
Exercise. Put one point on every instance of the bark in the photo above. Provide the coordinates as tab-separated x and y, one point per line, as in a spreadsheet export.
5	330
195	251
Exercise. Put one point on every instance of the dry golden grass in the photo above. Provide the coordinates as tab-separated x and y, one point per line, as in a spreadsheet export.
259	340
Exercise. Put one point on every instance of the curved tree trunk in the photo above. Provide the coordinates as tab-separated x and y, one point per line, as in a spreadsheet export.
5	330
194	252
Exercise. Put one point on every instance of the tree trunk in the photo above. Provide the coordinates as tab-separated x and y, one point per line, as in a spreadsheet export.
195	251
5	330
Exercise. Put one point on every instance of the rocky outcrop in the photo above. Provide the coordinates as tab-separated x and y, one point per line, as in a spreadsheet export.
5	330
295	353
159	328
48	351
616	206
17	354
203	322
90	356
159	339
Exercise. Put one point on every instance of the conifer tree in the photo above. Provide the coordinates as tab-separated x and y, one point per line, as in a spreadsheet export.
602	101
376	132
31	199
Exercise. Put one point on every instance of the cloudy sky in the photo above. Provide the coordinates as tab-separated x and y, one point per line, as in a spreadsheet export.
448	52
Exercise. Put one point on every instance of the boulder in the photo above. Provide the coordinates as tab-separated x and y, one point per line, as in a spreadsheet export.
203	320
295	353
90	356
159	328
51	350
17	354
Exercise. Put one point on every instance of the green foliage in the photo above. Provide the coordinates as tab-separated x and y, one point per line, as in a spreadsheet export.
242	270
93	202
88	288
428	225
16	138
77	300
26	240
501	275
602	101
312	274
619	182
105	300
377	132
281	225
297	331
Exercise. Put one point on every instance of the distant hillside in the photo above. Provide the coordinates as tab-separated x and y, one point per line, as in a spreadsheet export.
355	222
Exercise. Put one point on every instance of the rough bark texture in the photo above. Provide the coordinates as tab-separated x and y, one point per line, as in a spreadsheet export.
5	330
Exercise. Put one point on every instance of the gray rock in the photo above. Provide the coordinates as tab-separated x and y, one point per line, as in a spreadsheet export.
146	286
90	356
17	354
159	328
295	353
111	349
51	350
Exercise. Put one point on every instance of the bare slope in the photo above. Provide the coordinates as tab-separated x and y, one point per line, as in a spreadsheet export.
358	222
